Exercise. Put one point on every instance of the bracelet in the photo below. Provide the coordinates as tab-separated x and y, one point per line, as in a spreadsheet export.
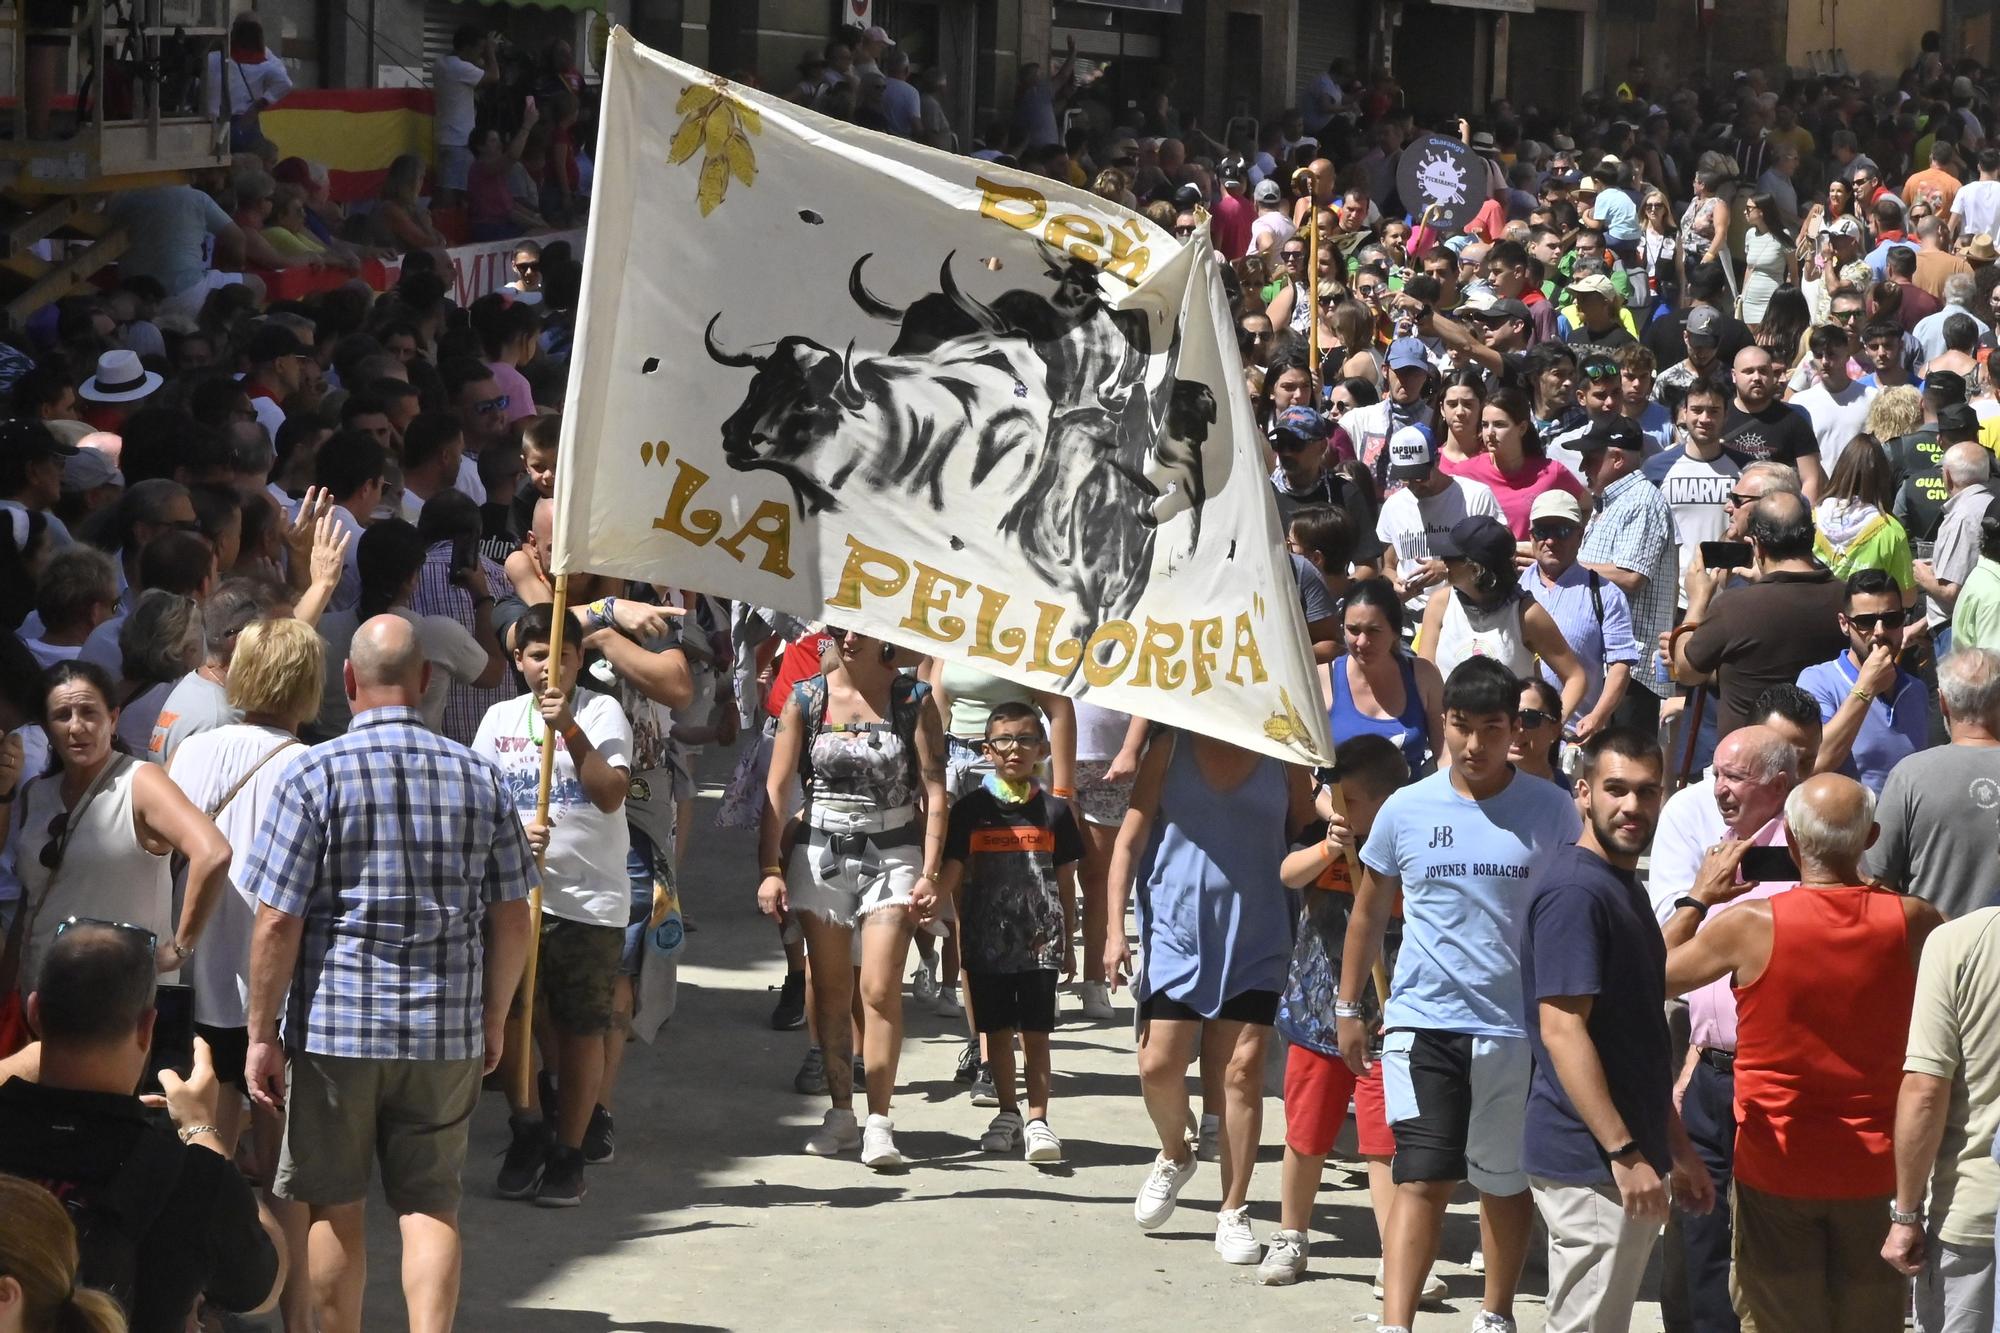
1629	1148
1064	792
1913	1218
193	1132
1685	900
1347	1009
573	732
774	870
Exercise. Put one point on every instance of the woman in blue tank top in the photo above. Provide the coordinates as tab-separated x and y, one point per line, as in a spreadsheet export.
1203	838
1377	688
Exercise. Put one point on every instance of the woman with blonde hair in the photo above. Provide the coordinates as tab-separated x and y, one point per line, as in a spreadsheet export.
401	221
38	1262
1896	412
231	773
1111	184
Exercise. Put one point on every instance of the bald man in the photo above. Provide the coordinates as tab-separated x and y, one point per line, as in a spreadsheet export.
1825	976
1740	798
392	925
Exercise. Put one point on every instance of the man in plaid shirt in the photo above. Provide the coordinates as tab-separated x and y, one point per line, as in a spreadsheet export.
392	878
1632	542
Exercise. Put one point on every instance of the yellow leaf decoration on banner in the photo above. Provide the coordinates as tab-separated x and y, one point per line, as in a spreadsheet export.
720	126
1287	727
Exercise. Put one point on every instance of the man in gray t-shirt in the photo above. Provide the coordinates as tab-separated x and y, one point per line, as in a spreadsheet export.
1940	809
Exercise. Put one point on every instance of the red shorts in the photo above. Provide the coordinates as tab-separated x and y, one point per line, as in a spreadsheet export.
1316	1091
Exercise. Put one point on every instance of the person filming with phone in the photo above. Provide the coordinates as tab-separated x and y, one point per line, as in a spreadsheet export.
163	1217
1816	1074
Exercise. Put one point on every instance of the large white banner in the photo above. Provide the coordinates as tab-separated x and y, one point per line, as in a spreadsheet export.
969	410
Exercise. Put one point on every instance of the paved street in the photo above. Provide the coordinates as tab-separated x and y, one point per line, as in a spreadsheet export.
712	1218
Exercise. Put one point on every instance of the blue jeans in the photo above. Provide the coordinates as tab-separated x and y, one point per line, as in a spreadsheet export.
1708	1111
639	873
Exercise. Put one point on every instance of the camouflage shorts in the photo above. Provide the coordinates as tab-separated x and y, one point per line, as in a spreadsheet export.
576	972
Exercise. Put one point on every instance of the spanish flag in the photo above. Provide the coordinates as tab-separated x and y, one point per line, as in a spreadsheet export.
355	132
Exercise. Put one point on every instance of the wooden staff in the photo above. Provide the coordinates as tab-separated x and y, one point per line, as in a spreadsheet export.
523	1036
1381	973
1312	281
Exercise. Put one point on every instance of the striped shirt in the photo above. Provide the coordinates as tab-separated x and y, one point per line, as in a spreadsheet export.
438	595
390	842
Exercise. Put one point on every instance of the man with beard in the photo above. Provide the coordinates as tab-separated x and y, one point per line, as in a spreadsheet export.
1604	1148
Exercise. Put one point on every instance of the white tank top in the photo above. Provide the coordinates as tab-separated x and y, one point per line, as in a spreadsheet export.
105	872
1497	634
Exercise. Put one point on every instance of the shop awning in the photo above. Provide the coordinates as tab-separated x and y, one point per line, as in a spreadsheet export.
585	6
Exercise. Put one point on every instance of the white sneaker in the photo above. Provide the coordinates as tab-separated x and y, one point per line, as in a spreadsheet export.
1209	1148
1044	1148
1434	1287
1476	1264
947	1002
1285	1262
837	1134
878	1144
1162	1189
1488	1322
1097	1002
1234	1240
924	982
1003	1135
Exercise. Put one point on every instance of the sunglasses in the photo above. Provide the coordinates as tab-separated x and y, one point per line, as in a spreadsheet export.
1294	256
1599	370
52	849
1736	499
1535	717
1844	316
1009	744
1552	532
1183	231
492	404
527	268
152	940
1867	623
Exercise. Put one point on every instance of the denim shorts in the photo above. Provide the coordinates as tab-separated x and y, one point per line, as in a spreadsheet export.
639	872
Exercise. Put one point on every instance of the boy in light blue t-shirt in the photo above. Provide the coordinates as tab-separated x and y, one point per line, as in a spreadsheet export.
1465	848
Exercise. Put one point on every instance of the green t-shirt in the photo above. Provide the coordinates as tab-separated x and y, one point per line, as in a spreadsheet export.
1882	545
1975	618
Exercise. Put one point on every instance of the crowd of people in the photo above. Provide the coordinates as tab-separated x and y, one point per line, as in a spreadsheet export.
1647	567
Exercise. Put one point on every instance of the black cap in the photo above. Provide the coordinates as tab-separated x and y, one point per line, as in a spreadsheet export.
32	438
1957	419
1611	433
1485	541
1189	195
1944	386
272	341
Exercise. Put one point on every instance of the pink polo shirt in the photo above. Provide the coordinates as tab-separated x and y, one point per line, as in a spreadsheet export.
1712	1009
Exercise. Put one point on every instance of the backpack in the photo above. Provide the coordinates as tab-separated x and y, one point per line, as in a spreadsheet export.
906	705
113	1216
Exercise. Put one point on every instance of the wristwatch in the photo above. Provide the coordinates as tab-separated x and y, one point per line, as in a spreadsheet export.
1913	1218
1685	900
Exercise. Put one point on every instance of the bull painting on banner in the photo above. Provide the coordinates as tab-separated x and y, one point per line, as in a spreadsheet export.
970	411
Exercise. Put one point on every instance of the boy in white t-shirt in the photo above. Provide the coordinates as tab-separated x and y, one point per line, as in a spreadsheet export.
585	894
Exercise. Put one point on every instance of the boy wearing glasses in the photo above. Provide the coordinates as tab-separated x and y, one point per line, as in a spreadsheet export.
1010	858
1875	713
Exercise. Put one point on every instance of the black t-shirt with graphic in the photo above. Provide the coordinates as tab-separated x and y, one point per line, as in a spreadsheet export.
1780	433
1010	900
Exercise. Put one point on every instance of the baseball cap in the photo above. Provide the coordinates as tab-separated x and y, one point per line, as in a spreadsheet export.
1232	169
1593	284
87	469
1556	504
1412	453
1267	192
878	34
1611	433
1500	309
1189	195
32	438
1302	423
272	341
1485	541
1407	352
1705	321
1844	226
1957	418
1944	386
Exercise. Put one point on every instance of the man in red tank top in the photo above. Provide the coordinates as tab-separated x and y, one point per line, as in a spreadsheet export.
1824	975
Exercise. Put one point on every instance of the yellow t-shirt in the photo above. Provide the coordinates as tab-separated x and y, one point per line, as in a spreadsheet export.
288	243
